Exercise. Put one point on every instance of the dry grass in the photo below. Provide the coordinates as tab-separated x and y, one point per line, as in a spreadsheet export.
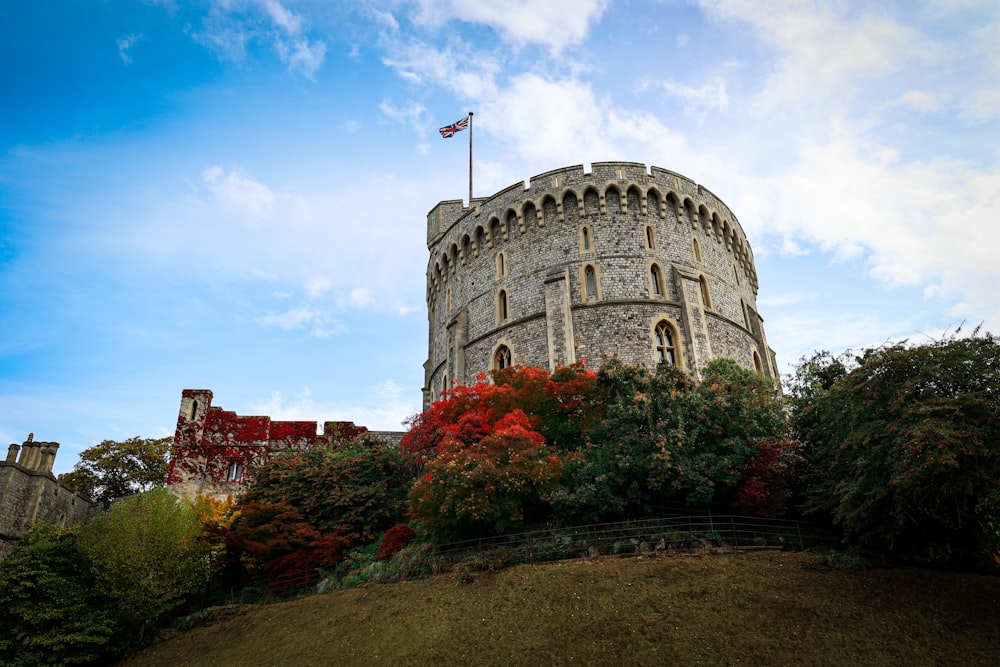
762	608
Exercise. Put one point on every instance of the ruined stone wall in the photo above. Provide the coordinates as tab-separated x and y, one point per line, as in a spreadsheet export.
215	451
30	493
510	273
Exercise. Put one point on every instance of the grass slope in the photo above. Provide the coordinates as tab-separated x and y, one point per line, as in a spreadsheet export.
761	608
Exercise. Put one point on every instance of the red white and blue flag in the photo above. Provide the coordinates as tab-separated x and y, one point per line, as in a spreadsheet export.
450	130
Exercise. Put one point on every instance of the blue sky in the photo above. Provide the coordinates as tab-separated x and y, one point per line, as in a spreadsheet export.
231	194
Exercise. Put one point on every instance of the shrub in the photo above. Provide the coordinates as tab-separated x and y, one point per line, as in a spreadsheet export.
395	539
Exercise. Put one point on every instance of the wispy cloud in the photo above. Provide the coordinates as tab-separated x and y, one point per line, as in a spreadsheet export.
239	192
555	24
386	409
125	45
231	26
317	322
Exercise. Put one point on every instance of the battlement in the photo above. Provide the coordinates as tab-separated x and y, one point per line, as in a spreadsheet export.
549	270
214	450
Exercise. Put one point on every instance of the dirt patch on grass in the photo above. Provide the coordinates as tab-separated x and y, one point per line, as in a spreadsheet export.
758	608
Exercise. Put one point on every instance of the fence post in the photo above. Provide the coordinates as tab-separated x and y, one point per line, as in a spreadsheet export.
732	525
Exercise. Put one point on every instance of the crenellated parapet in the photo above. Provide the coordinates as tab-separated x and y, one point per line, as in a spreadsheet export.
215	450
549	265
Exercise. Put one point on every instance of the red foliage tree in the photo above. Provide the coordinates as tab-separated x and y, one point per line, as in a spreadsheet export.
394	540
766	486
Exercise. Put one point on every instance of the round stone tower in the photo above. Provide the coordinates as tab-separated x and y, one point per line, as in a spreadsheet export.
645	265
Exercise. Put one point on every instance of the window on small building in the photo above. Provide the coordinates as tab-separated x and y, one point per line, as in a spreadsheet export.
502	358
591	283
656	280
665	343
235	472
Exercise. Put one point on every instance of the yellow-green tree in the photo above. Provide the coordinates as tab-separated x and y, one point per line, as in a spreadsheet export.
148	554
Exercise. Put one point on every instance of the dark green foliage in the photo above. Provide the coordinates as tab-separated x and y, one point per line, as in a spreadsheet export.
50	611
663	438
905	448
113	470
355	487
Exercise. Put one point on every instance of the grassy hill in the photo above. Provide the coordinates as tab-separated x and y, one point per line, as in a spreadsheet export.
757	608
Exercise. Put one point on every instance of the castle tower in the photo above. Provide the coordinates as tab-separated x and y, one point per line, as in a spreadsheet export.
644	265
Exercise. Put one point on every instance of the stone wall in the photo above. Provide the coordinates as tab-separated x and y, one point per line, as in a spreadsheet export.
587	265
215	451
30	493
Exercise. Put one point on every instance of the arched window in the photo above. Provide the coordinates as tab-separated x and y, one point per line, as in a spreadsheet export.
656	280
650	238
706	297
696	249
501	358
502	306
501	265
591	277
756	363
586	238
665	343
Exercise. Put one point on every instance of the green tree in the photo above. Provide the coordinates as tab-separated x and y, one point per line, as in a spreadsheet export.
149	554
356	487
904	449
113	470
50	612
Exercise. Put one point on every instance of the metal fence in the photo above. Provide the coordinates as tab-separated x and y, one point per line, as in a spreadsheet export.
669	534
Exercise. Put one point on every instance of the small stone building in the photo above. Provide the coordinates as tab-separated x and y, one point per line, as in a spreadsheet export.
30	493
215	450
623	261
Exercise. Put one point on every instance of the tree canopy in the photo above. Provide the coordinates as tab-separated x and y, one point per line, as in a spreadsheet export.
113	470
904	446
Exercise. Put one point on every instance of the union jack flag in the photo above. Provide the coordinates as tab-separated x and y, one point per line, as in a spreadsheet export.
450	130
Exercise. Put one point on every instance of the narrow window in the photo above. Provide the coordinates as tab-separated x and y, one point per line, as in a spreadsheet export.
696	249
502	305
501	358
650	242
756	363
586	239
705	296
591	283
501	266
654	275
664	343
235	473
194	410
447	299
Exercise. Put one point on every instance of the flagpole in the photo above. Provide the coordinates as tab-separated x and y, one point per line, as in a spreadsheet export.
470	159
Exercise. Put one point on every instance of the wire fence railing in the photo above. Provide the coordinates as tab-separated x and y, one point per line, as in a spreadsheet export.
665	535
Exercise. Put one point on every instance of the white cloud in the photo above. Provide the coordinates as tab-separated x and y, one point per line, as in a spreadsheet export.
125	45
318	286
826	50
386	409
919	100
239	192
984	105
555	24
697	100
231	26
317	322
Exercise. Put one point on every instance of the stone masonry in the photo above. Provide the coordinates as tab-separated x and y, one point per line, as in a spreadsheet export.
623	261
30	493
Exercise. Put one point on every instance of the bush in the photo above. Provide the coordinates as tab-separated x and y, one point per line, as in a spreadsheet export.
395	539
